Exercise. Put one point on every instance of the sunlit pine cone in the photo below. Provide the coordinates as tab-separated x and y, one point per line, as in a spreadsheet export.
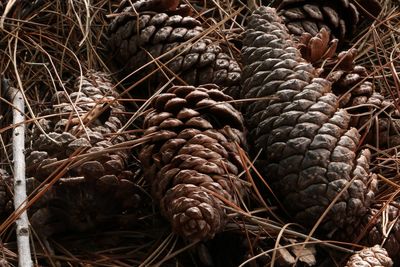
136	38
375	256
339	17
308	150
192	157
100	185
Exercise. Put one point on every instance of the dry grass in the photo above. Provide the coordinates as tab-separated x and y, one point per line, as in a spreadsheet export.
43	53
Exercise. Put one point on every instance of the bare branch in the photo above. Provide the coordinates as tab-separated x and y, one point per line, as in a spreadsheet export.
18	139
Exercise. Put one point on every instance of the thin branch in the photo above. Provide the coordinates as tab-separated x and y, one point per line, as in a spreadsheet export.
18	140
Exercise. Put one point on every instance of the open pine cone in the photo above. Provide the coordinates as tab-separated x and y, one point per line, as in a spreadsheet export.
308	151
339	17
137	38
100	183
317	48
375	256
192	157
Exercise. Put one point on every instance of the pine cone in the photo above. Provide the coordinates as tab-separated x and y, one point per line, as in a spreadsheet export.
308	150
380	225
375	256
101	183
379	120
339	17
351	87
192	159
357	94
93	103
173	40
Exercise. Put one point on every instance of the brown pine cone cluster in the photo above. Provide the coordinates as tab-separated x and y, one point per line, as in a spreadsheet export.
339	17
142	42
375	256
308	151
100	182
192	158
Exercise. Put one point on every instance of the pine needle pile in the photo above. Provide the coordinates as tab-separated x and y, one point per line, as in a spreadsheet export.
203	132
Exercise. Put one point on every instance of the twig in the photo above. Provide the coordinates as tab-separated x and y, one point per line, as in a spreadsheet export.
18	140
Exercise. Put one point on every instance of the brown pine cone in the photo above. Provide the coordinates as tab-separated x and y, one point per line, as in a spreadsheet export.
174	40
375	256
339	17
308	151
93	104
101	182
351	87
381	225
192	157
351	83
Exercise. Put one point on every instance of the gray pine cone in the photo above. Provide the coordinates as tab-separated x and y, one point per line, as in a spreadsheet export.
309	152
